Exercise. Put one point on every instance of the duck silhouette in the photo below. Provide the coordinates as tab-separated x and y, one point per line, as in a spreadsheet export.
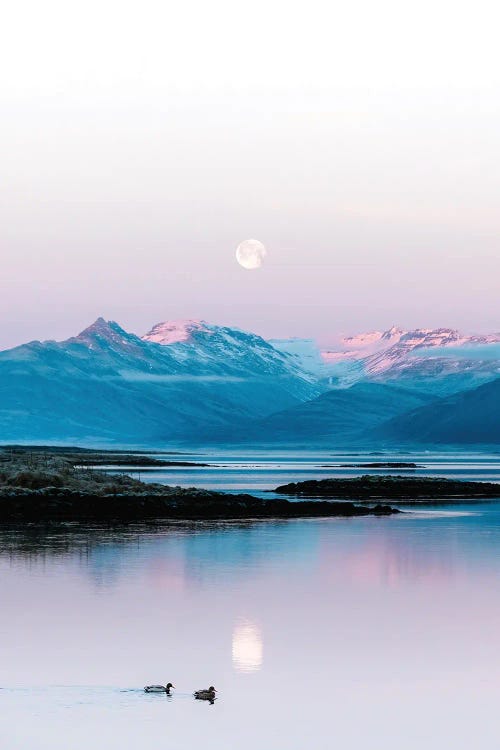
159	688
206	695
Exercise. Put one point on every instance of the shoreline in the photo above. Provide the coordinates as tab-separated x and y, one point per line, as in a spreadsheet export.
394	488
36	485
195	506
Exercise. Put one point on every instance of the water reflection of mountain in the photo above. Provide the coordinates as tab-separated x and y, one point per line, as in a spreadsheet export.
420	546
387	560
428	546
204	552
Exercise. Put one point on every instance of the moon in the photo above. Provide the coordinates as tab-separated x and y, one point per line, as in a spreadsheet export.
250	254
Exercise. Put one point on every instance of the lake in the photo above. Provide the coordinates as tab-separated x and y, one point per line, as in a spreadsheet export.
350	633
260	471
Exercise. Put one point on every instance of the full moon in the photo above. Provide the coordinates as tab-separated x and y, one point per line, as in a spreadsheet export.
250	254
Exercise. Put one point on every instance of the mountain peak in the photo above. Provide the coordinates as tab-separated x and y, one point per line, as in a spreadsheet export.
100	326
103	330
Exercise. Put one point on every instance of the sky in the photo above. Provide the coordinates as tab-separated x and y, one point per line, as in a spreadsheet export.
142	142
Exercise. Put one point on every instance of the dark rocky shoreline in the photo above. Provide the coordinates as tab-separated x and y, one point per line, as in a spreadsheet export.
391	487
186	505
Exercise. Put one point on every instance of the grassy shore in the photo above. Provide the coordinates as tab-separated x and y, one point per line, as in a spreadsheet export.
39	485
92	457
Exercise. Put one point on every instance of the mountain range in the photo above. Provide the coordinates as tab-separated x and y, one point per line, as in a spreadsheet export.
382	350
109	385
195	382
441	360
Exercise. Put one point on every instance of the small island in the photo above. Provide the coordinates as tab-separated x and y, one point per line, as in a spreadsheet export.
43	486
370	487
383	465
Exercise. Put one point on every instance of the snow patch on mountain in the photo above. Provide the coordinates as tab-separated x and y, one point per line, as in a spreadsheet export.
175	331
362	345
372	339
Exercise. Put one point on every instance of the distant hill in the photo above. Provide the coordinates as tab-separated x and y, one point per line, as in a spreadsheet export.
340	415
469	417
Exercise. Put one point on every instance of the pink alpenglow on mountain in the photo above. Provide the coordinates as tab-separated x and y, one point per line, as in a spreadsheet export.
380	351
363	345
175	331
372	339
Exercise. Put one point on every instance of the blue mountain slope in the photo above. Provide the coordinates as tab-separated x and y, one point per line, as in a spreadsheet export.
340	415
469	417
110	385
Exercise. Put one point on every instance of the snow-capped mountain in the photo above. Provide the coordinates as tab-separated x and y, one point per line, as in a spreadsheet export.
380	350
106	384
219	350
438	359
190	380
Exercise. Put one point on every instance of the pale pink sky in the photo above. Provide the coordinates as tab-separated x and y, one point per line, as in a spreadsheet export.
361	144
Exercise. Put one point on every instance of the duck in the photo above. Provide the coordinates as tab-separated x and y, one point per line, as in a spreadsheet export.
159	688
205	695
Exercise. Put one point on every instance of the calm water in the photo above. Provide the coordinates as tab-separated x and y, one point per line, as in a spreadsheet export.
358	633
262	471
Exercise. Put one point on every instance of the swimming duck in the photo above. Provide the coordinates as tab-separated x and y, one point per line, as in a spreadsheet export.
159	688
206	695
